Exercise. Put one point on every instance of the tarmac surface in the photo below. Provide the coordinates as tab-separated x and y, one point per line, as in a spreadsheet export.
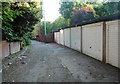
50	62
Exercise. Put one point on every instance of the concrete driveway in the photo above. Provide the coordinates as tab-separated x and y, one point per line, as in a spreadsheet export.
50	62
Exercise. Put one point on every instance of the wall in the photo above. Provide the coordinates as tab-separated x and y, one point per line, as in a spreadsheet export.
0	50
97	40
67	37
58	37
112	43
92	36
14	47
76	38
62	37
7	48
55	37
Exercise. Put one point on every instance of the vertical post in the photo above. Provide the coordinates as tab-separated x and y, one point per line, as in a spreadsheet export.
104	42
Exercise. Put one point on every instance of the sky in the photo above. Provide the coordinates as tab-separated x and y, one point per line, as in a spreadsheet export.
51	9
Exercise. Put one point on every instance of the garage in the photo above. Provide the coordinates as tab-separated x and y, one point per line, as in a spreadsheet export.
61	37
55	37
58	37
67	37
92	40
112	42
76	38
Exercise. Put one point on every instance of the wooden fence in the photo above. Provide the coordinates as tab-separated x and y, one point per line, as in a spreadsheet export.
46	38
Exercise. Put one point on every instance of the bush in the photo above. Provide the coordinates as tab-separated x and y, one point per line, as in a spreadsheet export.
18	20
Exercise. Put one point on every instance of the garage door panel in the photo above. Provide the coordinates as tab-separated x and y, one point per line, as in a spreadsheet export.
55	36
67	37
61	37
76	38
112	43
58	38
92	40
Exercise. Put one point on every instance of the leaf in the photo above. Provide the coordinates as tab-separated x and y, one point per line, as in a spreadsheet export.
11	19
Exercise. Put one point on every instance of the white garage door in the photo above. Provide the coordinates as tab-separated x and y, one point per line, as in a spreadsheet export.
58	38
55	36
76	38
67	37
112	43
92	36
61	37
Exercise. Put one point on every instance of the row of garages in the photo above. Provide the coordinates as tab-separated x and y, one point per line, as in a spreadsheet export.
98	40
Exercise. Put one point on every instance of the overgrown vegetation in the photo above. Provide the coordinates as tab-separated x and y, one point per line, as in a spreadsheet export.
18	20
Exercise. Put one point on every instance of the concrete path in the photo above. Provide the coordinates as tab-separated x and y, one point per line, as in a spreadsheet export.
50	62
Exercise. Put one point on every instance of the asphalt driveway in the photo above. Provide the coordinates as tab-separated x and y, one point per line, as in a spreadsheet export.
50	62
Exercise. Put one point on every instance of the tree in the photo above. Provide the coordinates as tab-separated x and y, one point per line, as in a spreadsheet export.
48	27
107	8
72	12
98	10
60	22
66	8
19	19
82	15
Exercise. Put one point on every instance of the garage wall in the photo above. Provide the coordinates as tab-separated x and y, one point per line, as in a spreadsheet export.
112	42
92	36
58	37
76	38
55	36
62	37
67	37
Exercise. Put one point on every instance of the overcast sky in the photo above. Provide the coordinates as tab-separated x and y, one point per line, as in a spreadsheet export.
51	9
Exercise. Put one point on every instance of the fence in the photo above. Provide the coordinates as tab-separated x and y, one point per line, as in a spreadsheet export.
98	40
8	48
46	38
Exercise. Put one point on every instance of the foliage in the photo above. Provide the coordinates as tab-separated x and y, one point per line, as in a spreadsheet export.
18	20
108	8
81	16
48	27
58	23
66	9
73	12
98	10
